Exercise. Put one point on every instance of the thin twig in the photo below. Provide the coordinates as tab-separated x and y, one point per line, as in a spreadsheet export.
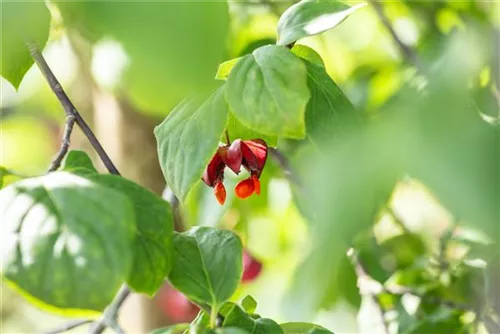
405	49
285	166
111	313
63	150
68	326
69	107
363	275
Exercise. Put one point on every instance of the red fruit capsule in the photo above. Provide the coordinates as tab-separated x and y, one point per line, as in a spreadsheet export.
256	184
251	267
220	193
245	188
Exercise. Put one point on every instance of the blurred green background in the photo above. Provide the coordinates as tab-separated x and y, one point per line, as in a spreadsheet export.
414	189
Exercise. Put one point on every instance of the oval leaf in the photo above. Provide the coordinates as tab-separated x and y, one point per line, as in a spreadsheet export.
188	138
311	17
66	241
267	92
21	22
153	238
207	264
329	111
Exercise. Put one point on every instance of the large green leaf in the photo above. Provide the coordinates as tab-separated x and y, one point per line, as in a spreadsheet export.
154	230
66	241
173	47
267	92
207	264
21	22
302	328
311	17
188	138
329	111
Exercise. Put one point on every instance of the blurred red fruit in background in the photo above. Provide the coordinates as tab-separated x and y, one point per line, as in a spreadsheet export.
176	307
251	267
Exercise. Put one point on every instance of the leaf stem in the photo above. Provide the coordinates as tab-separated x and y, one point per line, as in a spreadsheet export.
69	107
228	141
213	317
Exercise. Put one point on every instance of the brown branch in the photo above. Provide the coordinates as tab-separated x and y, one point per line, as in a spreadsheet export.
68	106
63	150
110	315
405	49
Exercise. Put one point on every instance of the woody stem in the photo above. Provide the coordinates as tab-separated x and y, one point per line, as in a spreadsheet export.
227	137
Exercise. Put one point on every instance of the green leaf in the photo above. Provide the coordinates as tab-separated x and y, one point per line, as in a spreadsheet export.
237	130
267	92
225	68
3	173
78	162
172	47
152	247
236	317
207	264
21	22
188	138
329	111
302	328
249	304
66	241
308	54
175	329
311	17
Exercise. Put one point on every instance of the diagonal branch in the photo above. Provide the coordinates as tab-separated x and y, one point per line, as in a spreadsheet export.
68	106
110	315
68	129
69	326
405	49
285	166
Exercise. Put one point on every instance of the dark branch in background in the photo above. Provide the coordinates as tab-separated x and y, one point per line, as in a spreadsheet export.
68	326
405	49
56	163
110	315
285	166
363	276
69	108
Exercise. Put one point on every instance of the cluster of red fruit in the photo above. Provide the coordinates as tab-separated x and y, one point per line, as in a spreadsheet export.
177	308
251	154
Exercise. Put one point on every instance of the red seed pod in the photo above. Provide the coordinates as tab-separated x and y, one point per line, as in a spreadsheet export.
245	188
251	267
220	193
